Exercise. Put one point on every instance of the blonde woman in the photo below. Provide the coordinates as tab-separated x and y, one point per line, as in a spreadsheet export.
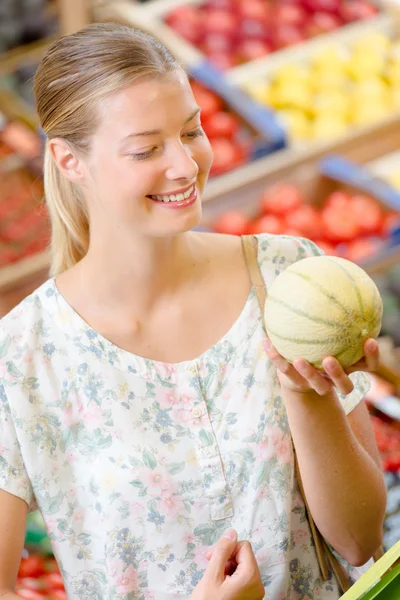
139	410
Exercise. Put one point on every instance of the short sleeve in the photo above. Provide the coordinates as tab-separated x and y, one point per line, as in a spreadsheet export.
13	476
362	384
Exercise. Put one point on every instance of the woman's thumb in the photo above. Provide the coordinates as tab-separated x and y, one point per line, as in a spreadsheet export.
222	552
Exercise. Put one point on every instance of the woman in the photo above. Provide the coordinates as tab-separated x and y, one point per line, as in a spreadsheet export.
140	411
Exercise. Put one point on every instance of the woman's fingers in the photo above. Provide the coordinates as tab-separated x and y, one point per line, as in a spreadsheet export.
314	378
283	365
337	375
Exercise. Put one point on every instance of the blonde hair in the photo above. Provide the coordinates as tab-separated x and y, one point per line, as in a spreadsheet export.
77	72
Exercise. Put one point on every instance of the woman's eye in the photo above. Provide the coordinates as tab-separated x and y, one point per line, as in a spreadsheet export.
142	155
199	132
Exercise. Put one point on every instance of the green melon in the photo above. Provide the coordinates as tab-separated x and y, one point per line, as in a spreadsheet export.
323	306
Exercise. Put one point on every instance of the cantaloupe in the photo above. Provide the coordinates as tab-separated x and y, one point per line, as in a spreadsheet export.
323	306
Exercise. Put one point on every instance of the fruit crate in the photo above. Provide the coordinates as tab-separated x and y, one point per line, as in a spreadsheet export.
243	194
319	89
235	34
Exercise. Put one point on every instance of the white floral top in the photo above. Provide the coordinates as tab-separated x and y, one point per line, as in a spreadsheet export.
139	466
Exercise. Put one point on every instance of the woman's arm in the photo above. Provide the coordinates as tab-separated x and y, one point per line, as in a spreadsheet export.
343	483
13	512
337	455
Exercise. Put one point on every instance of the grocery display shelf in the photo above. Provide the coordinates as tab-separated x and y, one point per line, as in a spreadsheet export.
150	16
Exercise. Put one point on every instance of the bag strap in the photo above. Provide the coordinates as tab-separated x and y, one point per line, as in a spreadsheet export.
250	251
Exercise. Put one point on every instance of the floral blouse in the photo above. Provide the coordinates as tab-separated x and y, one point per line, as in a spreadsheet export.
139	466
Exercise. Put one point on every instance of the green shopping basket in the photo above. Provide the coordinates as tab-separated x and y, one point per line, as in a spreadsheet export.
378	583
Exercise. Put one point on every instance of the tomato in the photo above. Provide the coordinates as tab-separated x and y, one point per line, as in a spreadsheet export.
186	21
340	225
363	248
224	60
54	581
227	155
339	199
33	583
368	213
281	199
307	219
209	102
221	124
32	566
30	594
267	224
292	231
234	223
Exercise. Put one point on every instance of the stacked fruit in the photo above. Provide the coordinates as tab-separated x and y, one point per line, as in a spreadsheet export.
353	226
387	435
39	578
337	89
24	227
229	138
231	32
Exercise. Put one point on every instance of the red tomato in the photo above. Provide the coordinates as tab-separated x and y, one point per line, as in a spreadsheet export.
54	581
209	102
340	225
221	21
292	231
221	124
234	223
227	155
267	224
32	566
368	213
339	199
281	199
307	219
326	247
187	22
363	248
36	584
30	594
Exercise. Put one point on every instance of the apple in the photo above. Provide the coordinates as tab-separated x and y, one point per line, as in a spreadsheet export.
322	22
214	43
331	6
221	124
233	223
253	49
187	21
249	29
280	199
220	4
256	10
286	35
356	10
220	21
267	224
290	14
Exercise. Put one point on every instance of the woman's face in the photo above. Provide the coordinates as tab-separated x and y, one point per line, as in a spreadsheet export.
149	159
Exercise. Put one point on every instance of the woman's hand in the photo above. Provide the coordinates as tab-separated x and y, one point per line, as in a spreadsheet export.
232	574
303	377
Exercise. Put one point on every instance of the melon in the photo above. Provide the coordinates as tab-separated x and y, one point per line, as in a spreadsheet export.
323	306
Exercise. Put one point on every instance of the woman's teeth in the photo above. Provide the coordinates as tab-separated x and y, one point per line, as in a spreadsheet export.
175	197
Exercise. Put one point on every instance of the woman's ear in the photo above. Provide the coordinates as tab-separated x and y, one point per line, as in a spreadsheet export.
69	163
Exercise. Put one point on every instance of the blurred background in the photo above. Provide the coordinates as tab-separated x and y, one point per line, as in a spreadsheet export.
301	102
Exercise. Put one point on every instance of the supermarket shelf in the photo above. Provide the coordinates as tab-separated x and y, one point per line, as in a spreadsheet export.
30	53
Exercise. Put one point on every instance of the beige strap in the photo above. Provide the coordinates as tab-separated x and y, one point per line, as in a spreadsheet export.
250	246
